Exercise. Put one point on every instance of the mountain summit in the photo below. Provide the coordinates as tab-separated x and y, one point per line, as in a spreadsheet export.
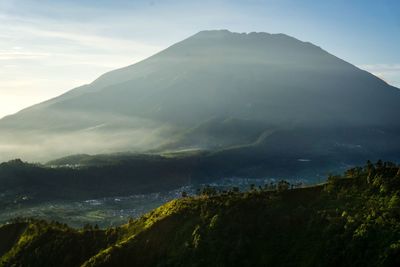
221	91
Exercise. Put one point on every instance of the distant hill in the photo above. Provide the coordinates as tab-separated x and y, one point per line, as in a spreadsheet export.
262	94
135	175
82	177
352	220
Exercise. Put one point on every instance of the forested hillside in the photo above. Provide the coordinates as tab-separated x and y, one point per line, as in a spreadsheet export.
352	220
108	175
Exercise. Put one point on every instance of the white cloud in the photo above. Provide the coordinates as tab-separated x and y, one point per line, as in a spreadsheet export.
382	67
54	46
390	73
40	59
12	54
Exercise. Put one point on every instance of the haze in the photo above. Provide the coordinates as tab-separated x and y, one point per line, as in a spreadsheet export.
49	47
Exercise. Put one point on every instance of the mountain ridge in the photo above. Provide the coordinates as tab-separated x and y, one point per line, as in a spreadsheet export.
351	220
273	80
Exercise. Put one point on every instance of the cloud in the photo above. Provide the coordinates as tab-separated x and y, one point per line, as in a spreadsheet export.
106	135
12	54
390	73
74	42
40	58
382	67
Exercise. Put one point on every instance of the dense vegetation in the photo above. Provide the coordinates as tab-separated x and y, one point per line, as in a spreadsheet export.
84	177
134	175
352	220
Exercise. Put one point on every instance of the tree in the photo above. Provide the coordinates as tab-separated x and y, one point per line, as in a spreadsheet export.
379	164
209	191
283	186
87	227
235	189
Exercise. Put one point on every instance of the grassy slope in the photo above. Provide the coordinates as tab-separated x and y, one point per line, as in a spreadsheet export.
352	220
10	234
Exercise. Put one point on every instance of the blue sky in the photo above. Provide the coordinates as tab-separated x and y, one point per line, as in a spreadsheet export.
48	47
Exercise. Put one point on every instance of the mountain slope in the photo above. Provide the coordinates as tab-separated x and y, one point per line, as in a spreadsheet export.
353	220
259	82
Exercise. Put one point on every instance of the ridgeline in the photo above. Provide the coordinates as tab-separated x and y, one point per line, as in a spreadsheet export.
351	220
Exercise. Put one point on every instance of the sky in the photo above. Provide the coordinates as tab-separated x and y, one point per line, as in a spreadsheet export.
48	47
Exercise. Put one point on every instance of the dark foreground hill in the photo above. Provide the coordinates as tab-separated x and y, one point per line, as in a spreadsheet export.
262	95
352	220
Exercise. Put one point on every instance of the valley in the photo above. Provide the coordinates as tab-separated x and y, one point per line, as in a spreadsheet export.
113	211
352	219
223	149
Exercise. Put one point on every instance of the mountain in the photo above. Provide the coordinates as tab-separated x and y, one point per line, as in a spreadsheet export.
352	220
259	94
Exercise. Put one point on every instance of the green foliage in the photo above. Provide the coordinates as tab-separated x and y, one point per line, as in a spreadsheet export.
44	243
352	220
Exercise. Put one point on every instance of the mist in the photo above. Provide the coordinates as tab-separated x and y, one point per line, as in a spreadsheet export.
111	134
214	90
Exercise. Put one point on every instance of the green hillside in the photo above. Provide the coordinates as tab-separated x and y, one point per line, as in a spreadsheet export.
352	220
